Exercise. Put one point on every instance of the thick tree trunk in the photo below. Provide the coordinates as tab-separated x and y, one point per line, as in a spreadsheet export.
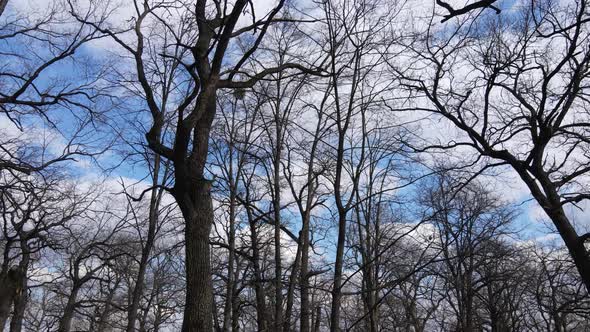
193	195
20	304
197	209
550	201
367	259
9	287
573	242
21	296
371	302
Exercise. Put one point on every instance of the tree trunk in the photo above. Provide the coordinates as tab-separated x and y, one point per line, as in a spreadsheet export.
261	312
65	322
9	288
318	316
304	275
291	291
20	303
573	242
306	310
197	209
20	299
3	4
229	295
551	204
193	196
342	123
367	268
104	316
146	250
337	286
277	227
235	306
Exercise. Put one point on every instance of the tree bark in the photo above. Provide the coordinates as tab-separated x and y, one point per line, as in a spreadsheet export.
573	242
9	288
197	209
337	286
193	196
235	305
20	299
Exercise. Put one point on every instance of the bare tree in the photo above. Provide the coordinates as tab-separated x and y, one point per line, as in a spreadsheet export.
88	255
275	165
160	175
232	140
353	34
558	293
308	193
34	45
466	222
34	212
197	46
520	107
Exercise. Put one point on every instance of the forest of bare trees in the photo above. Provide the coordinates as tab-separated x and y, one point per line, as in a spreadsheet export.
294	165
